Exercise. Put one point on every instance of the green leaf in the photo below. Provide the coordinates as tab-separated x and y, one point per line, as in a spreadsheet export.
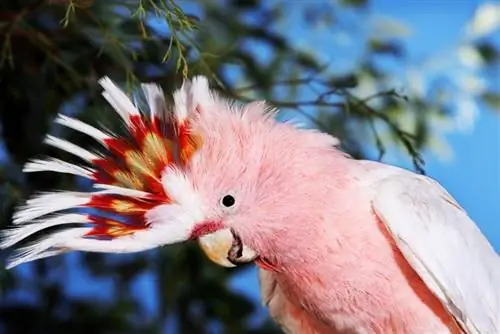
392	48
347	81
492	100
488	52
307	60
354	3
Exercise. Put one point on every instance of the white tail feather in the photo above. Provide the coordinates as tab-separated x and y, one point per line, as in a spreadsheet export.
82	127
50	202
155	99
120	102
12	236
70	148
57	165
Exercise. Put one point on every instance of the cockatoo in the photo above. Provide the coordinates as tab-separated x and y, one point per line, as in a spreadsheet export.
342	245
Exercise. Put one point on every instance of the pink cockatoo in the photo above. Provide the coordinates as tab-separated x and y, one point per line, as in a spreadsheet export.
342	245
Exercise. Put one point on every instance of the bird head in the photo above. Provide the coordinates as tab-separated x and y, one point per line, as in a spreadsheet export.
208	169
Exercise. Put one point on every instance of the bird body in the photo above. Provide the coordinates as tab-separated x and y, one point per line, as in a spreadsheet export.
343	245
359	281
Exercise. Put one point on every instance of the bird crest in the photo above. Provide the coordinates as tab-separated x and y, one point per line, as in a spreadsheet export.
126	174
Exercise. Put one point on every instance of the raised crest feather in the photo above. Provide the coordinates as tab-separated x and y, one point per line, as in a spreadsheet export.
127	174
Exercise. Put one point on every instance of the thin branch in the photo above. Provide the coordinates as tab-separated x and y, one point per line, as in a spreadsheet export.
404	137
378	140
286	82
6	53
309	103
352	103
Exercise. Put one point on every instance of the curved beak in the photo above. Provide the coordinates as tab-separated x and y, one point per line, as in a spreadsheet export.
224	247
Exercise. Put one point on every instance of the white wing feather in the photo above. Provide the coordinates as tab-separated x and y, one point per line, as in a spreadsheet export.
443	245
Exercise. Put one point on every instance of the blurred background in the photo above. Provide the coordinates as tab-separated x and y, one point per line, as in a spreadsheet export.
406	82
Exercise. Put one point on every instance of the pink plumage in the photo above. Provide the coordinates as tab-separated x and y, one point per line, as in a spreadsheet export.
302	206
344	246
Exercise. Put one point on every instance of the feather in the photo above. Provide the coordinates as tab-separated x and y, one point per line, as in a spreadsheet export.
155	99
14	235
118	100
127	179
182	102
70	148
57	165
39	249
191	96
17	258
111	189
82	127
200	92
47	203
444	246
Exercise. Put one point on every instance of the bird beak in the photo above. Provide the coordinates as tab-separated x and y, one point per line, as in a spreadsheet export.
224	247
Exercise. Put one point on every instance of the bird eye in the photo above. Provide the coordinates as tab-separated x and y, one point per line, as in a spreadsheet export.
228	201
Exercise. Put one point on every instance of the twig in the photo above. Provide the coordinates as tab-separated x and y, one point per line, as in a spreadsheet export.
378	140
404	137
8	30
276	83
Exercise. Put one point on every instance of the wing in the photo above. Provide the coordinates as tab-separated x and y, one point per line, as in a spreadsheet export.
444	246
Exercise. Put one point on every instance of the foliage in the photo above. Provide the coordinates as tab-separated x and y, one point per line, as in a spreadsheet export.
53	52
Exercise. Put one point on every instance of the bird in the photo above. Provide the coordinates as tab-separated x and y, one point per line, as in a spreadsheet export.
342	245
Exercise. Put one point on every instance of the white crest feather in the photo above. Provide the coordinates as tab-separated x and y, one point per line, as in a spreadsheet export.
57	165
177	185
117	190
44	248
73	240
70	148
82	127
192	94
13	235
137	242
155	99
200	92
120	102
182	101
46	203
17	258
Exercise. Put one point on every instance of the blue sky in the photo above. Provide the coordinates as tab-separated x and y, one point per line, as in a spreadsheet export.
472	177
